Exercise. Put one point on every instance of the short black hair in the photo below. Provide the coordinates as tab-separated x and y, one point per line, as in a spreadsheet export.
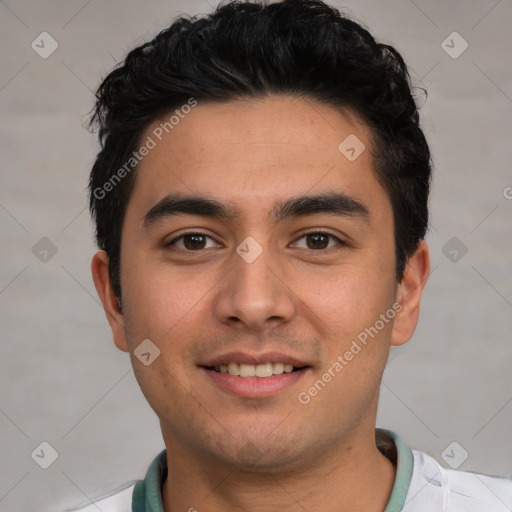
252	50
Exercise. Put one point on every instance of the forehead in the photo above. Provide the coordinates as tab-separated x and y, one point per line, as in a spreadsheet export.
253	153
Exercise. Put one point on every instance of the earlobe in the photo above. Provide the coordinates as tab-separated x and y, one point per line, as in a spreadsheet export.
113	311
409	293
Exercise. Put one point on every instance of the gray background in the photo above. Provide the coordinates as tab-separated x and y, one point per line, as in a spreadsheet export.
61	378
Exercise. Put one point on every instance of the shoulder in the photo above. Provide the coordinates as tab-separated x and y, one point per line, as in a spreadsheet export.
136	493
434	487
119	500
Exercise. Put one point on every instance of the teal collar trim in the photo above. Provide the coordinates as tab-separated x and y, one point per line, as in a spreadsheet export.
404	467
147	495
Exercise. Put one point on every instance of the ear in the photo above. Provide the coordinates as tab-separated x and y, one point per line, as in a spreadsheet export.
409	293
113	311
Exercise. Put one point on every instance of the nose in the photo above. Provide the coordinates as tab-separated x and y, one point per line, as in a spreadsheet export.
255	295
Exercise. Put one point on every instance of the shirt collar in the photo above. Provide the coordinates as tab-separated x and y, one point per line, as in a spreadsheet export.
147	495
404	466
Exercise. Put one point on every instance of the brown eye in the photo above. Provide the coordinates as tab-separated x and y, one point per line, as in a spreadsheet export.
193	242
318	241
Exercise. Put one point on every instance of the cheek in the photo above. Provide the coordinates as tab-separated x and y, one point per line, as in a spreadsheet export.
355	337
348	298
162	301
169	311
165	387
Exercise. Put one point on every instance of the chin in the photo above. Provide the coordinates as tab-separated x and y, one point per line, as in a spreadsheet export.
252	455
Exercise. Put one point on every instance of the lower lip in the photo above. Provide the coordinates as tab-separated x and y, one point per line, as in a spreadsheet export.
255	387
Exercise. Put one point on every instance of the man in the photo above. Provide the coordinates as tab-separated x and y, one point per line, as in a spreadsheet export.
260	202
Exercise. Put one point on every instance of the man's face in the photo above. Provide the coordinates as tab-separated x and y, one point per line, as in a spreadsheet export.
262	284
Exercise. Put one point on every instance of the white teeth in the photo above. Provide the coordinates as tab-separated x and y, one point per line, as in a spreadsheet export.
250	370
278	368
233	369
264	370
247	370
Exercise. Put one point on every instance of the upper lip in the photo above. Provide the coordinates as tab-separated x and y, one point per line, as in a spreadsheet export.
254	359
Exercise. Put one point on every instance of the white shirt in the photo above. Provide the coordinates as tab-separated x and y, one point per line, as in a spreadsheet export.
421	485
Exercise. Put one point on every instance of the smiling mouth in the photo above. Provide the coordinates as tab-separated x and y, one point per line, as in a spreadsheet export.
259	370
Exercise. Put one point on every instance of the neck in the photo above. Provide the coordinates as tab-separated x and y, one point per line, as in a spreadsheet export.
351	476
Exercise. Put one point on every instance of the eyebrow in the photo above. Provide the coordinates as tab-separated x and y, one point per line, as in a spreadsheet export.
334	203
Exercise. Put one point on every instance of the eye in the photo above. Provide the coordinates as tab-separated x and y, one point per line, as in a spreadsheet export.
318	241
193	242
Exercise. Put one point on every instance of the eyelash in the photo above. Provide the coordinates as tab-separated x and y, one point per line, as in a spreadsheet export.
338	241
